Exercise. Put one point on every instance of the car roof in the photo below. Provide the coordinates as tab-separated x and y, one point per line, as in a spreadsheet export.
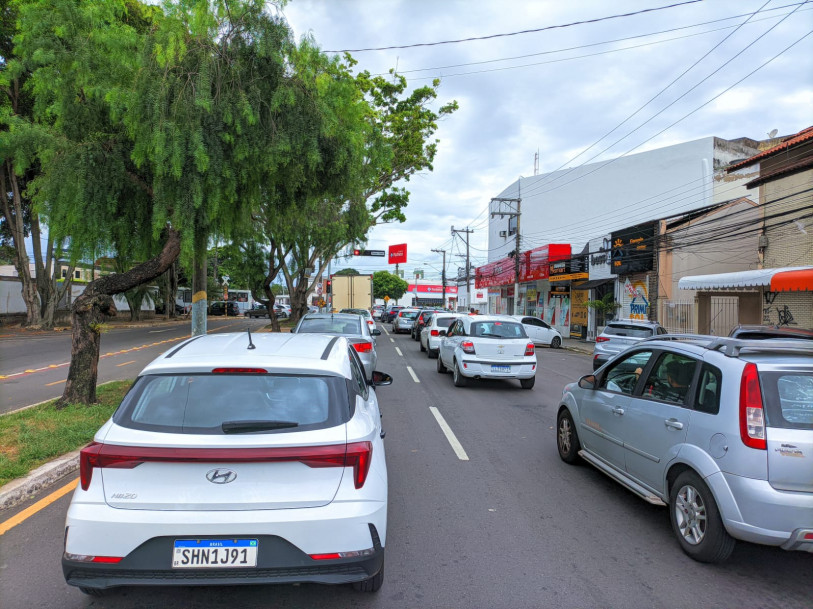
757	331
637	322
303	353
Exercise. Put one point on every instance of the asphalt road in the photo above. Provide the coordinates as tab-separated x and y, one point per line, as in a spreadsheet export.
512	526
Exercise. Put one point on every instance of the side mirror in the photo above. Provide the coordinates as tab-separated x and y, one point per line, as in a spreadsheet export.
442	333
380	379
588	382
292	330
375	332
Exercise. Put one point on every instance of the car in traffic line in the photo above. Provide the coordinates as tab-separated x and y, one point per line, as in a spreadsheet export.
433	333
236	459
720	430
404	320
620	334
487	347
363	313
350	325
539	331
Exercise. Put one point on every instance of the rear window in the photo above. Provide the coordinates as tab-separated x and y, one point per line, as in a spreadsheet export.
445	322
408	315
498	329
627	330
330	326
788	398
201	403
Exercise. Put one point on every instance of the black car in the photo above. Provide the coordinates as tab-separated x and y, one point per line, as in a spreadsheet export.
390	314
161	310
258	311
228	308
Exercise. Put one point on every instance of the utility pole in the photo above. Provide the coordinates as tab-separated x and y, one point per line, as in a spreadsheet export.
467	231
443	275
513	214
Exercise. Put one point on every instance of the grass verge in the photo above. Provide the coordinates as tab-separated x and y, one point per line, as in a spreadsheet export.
33	437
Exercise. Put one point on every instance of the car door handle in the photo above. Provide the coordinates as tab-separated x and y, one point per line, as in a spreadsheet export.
673	423
618	411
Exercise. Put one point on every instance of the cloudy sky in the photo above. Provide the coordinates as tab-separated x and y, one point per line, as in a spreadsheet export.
558	90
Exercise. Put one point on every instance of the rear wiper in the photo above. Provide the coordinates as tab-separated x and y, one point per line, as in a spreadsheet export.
490	334
248	426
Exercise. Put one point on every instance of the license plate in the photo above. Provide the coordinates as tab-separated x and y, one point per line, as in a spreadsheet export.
214	553
495	368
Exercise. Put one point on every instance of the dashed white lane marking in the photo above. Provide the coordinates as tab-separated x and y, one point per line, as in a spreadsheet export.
444	426
399	352
392	340
412	374
385	330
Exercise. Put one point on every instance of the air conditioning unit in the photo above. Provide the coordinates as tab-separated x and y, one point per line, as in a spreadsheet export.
503	233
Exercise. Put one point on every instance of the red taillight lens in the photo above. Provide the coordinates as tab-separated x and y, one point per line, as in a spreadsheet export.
88	459
363	347
529	349
467	346
601	339
434	332
752	415
239	371
359	456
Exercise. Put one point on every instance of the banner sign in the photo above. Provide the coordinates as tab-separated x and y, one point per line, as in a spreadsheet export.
397	254
431	289
633	249
533	265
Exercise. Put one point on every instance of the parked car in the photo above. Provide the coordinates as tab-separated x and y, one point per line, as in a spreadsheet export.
368	318
434	331
539	331
487	347
404	320
352	326
224	307
749	332
390	313
236	459
718	429
621	334
160	309
258	311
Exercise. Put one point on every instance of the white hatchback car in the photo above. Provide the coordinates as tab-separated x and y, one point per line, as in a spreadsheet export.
539	331
236	460
434	331
488	347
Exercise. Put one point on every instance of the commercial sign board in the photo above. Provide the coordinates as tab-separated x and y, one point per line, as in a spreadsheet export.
633	249
568	270
600	258
397	254
431	289
533	265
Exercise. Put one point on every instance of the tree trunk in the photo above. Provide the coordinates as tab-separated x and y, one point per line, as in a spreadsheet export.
89	311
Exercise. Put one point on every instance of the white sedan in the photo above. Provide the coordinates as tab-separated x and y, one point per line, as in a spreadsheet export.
540	331
487	347
236	459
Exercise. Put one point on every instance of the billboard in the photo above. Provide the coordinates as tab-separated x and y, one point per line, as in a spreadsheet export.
431	289
397	254
633	249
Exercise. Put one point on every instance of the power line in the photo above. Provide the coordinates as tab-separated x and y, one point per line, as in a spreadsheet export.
531	31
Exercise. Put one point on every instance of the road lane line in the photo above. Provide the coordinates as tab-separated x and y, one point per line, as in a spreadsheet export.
392	340
399	352
385	330
132	361
444	426
39	505
56	383
412	373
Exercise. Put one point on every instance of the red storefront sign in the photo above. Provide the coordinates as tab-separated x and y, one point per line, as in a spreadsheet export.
397	254
534	265
432	289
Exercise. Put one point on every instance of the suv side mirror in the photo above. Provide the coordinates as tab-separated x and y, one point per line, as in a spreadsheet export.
380	378
375	332
441	332
588	382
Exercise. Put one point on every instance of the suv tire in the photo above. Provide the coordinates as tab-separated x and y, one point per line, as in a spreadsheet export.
704	540
567	439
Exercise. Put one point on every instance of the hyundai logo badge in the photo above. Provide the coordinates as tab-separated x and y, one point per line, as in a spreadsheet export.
220	476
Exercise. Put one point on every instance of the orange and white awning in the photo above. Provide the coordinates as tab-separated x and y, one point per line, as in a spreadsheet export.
790	279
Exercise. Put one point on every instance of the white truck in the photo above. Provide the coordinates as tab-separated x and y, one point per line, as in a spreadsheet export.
351	292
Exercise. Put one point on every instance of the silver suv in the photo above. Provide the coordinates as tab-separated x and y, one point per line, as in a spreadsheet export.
718	429
619	335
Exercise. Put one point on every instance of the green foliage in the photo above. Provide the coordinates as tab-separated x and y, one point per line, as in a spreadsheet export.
606	304
387	284
347	271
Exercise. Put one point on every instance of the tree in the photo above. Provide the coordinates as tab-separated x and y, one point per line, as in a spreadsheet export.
385	284
347	271
603	307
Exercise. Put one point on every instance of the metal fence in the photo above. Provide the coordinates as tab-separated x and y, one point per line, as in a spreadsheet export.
678	316
724	314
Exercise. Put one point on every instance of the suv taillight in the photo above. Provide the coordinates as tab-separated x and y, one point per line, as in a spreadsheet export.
601	339
467	346
529	349
752	415
434	332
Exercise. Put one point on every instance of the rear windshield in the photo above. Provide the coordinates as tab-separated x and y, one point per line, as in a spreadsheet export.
445	322
788	399
408	315
328	325
498	329
201	403
361	312
627	330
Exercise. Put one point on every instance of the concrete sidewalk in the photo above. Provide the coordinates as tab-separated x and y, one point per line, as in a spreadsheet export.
580	346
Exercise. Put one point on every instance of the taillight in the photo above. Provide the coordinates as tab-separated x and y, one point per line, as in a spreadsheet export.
752	415
434	332
365	347
529	349
467	346
601	339
239	371
359	456
88	459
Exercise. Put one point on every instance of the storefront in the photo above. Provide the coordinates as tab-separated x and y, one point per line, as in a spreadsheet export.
431	295
633	262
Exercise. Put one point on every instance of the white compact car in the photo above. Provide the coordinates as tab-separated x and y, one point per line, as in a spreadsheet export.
539	331
434	331
236	460
488	347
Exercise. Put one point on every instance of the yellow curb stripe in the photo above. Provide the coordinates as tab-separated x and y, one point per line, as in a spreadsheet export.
39	505
56	383
132	361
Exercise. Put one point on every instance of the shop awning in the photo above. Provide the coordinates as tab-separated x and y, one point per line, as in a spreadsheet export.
776	280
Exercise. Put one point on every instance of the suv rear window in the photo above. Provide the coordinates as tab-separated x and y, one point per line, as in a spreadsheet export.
408	315
788	398
201	403
445	322
628	330
330	325
498	329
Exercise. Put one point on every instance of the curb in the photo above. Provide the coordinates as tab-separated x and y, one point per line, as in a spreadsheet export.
19	490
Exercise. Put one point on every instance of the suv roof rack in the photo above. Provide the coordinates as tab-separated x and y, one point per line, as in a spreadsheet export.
732	347
689	338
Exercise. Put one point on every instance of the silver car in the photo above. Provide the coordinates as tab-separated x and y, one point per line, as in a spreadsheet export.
353	326
487	347
404	320
718	429
620	334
